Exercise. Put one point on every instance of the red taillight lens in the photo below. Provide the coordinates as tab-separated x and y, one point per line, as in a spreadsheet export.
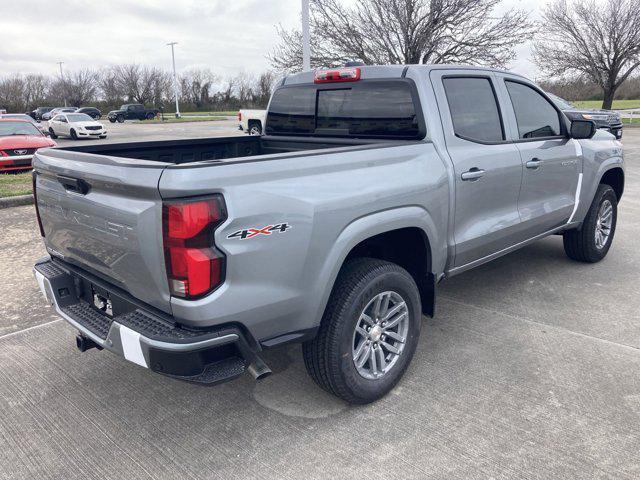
34	177
194	266
239	116
338	75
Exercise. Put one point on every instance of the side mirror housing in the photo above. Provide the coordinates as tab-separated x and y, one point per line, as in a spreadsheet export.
582	129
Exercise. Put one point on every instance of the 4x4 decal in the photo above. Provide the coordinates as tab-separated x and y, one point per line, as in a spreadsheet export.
254	232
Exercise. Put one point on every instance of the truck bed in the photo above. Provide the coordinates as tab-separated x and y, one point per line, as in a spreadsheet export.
216	148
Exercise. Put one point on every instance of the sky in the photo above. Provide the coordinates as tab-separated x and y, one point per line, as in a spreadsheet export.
227	36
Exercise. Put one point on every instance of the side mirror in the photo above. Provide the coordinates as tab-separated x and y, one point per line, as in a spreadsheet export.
582	129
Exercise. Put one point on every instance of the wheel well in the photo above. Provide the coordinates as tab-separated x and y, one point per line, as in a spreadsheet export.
253	122
408	248
615	179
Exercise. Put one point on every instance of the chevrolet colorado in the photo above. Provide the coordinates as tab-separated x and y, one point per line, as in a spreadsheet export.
369	187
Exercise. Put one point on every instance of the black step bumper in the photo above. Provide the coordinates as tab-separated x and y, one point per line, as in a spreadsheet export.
204	356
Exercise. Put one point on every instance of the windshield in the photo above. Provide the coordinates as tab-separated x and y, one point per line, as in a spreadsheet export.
17	128
378	109
561	103
79	117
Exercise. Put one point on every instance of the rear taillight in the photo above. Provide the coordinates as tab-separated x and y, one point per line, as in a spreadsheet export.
351	74
195	267
34	177
239	117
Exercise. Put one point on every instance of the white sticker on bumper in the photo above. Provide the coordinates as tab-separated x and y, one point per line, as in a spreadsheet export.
131	346
40	279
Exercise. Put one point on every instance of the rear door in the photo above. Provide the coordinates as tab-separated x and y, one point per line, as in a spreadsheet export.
488	169
552	161
104	215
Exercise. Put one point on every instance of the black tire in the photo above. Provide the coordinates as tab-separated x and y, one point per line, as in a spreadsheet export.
150	116
52	134
74	135
329	356
103	136
255	128
580	244
120	118
112	120
96	116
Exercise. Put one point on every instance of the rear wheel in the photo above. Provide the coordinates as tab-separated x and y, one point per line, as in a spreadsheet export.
592	241
150	116
255	128
74	135
369	331
52	134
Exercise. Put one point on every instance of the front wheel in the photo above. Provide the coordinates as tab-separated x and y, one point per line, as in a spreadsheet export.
369	331
112	120
74	135
52	134
592	241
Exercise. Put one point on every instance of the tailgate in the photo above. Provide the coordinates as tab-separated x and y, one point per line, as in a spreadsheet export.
104	214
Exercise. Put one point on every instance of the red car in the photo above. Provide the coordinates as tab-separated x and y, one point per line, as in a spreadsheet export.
19	140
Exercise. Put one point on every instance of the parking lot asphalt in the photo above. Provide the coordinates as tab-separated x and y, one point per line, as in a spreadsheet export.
131	131
530	369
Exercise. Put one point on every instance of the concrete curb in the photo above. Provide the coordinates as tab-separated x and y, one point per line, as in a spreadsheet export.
16	201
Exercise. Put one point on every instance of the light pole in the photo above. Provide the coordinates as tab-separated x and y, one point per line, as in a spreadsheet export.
62	79
306	50
175	77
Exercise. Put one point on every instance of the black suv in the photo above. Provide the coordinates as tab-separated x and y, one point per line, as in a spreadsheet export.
93	112
605	119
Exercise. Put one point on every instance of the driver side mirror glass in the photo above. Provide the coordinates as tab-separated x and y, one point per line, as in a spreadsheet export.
582	129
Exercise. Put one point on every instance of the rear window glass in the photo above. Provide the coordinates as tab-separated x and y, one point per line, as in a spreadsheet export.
373	109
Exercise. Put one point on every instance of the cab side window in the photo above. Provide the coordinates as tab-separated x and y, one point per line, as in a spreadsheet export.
474	109
535	115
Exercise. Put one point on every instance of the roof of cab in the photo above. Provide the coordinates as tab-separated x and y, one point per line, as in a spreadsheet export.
388	71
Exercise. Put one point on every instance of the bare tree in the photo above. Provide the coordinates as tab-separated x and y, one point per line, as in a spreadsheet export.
142	84
406	32
599	41
196	85
80	87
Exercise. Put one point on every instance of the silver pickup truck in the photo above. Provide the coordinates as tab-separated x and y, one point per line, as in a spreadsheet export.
370	186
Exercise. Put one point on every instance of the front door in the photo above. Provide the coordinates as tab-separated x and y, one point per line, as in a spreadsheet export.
552	161
487	167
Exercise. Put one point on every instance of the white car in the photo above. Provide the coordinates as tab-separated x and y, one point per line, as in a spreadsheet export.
75	126
252	121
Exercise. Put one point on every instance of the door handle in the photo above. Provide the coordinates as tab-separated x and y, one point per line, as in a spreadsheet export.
473	174
534	163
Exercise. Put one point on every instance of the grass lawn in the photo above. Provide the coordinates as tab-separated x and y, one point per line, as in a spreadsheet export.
227	113
12	184
184	119
617	104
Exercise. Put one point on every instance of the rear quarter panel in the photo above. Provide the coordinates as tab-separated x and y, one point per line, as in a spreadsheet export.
280	282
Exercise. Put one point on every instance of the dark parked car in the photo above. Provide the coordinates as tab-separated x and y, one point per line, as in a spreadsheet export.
38	112
133	111
605	119
93	112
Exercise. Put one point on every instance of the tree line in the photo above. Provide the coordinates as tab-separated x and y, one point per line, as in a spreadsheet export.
588	41
199	89
577	42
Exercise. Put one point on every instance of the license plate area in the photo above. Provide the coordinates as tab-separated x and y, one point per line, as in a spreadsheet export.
101	300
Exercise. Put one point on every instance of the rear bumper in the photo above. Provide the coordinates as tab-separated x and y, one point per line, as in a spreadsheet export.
202	356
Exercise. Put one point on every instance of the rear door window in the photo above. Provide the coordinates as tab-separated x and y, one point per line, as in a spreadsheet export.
474	109
378	109
535	115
